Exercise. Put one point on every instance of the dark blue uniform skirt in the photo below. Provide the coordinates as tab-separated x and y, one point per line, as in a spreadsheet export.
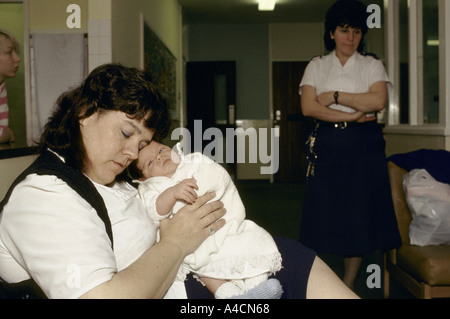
348	208
297	264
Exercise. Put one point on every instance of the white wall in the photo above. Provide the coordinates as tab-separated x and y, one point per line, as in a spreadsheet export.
248	45
295	41
10	168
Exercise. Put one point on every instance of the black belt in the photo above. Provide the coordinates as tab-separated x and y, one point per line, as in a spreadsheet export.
342	125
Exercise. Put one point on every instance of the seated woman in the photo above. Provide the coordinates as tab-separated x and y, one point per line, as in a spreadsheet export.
82	232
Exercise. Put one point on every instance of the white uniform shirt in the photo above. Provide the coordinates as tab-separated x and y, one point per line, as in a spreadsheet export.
50	232
359	73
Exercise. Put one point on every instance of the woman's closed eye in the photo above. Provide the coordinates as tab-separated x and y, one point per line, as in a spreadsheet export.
126	134
143	144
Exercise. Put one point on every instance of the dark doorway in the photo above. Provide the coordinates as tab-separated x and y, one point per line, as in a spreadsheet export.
211	99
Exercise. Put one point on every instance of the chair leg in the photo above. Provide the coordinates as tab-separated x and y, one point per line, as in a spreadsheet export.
386	279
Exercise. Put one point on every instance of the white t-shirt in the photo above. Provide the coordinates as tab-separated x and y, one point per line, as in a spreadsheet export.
49	231
359	73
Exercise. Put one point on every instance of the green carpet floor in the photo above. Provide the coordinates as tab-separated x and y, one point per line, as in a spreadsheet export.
278	208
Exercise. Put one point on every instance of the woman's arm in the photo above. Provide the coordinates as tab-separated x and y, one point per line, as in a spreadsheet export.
372	101
312	108
152	274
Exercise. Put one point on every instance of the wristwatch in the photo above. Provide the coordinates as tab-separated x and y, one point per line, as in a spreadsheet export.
336	96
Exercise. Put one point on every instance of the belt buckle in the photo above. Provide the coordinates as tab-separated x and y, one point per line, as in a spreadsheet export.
341	125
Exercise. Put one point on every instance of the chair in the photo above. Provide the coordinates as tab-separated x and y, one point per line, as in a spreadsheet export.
423	271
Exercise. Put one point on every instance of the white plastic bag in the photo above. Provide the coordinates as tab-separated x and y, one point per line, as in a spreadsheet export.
429	203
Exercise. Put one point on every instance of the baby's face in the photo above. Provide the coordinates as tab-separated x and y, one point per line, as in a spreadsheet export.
157	159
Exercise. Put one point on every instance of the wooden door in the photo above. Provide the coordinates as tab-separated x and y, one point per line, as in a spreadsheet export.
211	98
294	127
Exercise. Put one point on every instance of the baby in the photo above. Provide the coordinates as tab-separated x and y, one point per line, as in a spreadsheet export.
235	261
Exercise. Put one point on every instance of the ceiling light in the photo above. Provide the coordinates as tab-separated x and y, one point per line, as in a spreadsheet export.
433	43
266	5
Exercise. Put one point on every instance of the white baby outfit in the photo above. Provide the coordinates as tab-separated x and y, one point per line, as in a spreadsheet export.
239	250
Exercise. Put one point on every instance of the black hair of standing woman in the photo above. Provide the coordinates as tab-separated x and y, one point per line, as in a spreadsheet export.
345	13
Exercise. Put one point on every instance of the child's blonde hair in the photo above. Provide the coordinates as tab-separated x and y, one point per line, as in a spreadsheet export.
5	35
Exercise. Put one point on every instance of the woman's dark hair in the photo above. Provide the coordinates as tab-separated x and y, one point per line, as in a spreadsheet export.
133	172
110	87
345	13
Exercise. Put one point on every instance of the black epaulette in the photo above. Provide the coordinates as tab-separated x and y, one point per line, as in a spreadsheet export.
373	55
49	164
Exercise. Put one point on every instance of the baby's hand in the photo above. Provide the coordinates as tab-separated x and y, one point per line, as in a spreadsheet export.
185	190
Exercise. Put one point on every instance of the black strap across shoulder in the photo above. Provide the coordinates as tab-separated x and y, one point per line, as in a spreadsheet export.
49	164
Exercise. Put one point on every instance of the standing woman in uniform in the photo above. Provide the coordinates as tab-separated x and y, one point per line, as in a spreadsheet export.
348	209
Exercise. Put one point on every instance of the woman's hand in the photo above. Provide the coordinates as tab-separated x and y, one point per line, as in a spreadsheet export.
191	225
365	118
6	135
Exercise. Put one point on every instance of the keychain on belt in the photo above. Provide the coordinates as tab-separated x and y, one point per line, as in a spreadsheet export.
311	156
